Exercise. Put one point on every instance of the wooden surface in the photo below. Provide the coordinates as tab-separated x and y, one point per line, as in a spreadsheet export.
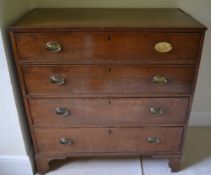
115	112
107	79
108	60
109	46
114	139
108	18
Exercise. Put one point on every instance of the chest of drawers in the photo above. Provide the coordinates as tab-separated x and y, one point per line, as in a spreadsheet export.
107	82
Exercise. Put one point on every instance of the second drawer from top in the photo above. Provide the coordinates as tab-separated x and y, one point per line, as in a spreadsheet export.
108	79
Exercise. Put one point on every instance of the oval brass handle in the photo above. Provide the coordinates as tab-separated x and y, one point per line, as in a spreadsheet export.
157	111
63	112
163	47
153	140
66	141
57	79
160	80
53	47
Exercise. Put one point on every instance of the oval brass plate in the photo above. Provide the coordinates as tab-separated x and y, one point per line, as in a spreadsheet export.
163	47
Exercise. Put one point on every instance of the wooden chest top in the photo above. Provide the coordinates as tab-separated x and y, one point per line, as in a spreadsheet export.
107	19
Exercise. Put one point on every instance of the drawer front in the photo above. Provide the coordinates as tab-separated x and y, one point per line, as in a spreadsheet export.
109	111
79	140
105	79
116	46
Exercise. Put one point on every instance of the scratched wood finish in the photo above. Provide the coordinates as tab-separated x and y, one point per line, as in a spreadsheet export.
97	79
108	61
114	139
118	46
109	111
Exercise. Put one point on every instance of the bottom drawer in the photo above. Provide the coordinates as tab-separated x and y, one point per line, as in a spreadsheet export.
111	140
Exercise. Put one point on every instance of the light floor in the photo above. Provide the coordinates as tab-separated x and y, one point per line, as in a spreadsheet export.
197	161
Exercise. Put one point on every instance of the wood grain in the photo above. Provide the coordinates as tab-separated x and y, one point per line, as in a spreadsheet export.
109	79
108	139
116	46
107	18
98	112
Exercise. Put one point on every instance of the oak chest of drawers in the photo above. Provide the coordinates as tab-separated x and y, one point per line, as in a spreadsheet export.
107	82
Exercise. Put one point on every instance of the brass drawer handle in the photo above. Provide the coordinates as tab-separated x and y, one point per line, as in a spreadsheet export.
57	79
157	111
153	140
163	47
66	141
53	47
160	80
63	112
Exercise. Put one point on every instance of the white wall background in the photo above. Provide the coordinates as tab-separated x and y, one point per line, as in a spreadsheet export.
201	112
13	131
9	120
15	144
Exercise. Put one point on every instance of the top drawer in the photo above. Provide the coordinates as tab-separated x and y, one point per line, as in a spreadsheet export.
109	46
